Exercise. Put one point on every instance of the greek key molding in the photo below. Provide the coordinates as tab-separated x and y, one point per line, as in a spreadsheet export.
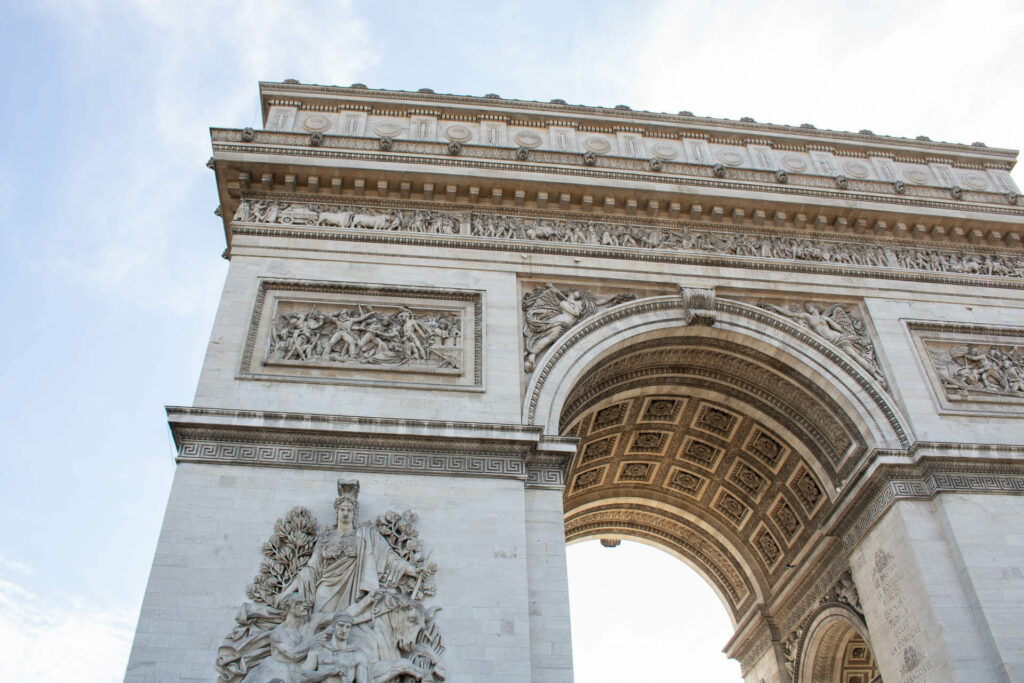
545	477
299	440
467	304
277	455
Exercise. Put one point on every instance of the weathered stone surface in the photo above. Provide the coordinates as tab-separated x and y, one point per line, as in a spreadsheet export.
532	322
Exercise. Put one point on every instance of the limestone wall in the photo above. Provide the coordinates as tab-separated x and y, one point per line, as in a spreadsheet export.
484	535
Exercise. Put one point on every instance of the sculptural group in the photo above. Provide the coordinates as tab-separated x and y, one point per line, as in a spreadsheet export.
340	604
967	368
365	335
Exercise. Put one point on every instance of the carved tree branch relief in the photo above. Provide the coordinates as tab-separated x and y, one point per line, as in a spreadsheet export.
343	602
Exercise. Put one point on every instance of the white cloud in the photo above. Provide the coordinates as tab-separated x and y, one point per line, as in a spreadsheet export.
14	566
901	68
43	642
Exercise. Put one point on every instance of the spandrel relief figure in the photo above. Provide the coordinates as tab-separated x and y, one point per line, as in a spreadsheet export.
366	335
548	312
971	369
347	608
837	326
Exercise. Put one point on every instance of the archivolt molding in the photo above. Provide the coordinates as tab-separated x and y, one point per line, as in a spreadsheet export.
580	348
719	365
817	647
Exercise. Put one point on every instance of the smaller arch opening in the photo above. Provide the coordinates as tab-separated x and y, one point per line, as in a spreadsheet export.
837	651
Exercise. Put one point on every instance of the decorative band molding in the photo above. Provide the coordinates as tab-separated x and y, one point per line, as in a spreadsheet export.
278	455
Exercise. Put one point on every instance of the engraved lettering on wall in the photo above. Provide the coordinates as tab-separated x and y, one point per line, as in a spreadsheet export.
887	580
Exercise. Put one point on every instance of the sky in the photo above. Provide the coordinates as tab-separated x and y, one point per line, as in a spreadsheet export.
110	258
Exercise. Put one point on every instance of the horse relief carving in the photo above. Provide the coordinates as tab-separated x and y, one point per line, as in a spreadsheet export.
337	216
338	603
762	246
970	369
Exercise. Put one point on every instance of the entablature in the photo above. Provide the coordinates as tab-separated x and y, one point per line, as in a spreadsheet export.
562	182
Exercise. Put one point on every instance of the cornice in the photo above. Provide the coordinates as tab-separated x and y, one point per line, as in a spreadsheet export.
301	440
324	97
619	187
270	148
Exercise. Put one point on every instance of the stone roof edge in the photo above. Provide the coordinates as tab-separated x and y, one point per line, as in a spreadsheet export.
630	117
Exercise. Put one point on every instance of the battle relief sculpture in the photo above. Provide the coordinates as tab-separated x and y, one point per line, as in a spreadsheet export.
966	370
548	312
342	603
763	246
837	325
339	216
389	336
677	238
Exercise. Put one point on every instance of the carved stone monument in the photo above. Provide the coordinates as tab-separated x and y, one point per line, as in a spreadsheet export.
343	601
791	356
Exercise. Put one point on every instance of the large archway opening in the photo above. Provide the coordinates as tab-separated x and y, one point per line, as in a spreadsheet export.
725	445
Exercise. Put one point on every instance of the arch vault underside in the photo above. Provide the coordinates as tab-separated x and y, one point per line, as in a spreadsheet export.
723	445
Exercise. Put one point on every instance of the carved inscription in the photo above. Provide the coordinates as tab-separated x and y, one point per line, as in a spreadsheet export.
887	581
366	336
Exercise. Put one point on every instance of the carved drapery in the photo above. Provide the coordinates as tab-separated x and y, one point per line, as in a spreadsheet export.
837	325
344	600
548	312
390	337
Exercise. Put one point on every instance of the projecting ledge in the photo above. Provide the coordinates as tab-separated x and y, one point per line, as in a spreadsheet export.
303	440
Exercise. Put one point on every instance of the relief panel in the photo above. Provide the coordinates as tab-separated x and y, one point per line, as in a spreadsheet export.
353	333
972	369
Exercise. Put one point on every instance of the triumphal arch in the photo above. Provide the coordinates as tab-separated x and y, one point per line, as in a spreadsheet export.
460	332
